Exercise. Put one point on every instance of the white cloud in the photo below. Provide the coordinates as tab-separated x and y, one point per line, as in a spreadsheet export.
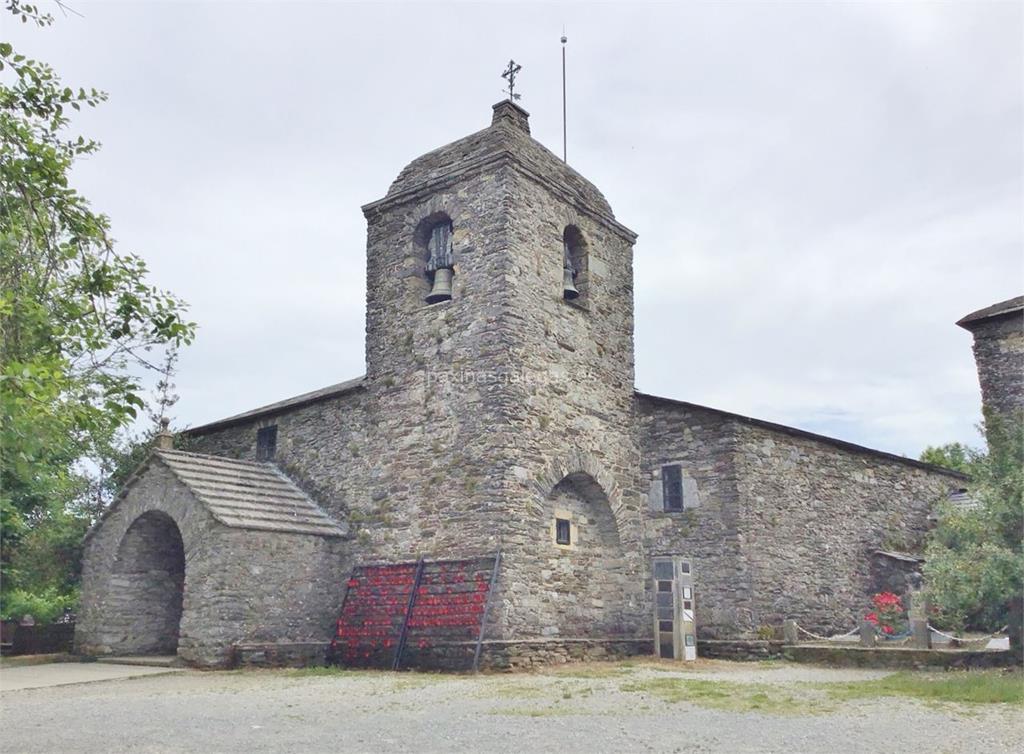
820	190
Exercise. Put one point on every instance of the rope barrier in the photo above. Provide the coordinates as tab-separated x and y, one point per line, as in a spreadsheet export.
940	633
963	638
888	637
826	638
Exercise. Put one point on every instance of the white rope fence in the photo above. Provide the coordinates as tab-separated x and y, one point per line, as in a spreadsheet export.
994	634
837	637
933	629
856	629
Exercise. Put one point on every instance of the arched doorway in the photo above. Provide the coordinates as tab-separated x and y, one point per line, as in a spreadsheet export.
585	575
147	586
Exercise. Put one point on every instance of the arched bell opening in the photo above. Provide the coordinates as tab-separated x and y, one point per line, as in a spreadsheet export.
575	265
433	239
148	587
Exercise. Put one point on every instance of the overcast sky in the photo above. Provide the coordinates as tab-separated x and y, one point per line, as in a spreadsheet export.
820	190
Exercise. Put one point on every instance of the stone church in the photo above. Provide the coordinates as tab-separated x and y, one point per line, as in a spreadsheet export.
498	414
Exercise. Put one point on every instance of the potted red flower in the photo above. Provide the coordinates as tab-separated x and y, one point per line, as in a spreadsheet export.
888	615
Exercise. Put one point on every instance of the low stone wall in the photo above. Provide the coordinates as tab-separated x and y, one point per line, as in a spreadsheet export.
739	649
898	657
522	654
530	653
282	654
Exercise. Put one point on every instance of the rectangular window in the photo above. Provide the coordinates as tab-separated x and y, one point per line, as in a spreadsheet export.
663	569
562	531
672	487
266	443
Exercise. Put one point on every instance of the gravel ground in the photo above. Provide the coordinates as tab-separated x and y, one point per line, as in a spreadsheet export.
593	709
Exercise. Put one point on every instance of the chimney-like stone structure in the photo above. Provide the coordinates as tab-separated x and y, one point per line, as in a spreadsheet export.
998	332
165	438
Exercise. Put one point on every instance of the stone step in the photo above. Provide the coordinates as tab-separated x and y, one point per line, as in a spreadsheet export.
156	661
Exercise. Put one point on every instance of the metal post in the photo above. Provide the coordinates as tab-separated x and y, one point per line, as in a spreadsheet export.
397	661
483	616
564	132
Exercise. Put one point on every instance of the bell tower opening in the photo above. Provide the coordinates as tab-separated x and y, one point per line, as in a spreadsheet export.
440	266
574	259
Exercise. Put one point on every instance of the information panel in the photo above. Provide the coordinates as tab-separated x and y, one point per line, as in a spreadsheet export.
423	614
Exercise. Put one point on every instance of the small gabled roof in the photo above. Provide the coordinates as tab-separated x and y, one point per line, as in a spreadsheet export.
1010	306
249	495
238	494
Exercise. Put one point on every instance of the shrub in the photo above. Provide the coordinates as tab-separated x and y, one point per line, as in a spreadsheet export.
45	606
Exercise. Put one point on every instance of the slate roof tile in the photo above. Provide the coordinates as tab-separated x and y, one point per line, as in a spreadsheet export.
249	495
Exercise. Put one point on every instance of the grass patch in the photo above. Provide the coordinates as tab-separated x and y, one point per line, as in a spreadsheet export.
319	670
732	697
514	691
608	670
964	687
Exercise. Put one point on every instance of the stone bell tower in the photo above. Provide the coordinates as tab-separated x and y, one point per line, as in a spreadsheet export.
998	332
515	390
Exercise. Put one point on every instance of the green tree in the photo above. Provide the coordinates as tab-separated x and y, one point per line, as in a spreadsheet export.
954	455
974	559
79	322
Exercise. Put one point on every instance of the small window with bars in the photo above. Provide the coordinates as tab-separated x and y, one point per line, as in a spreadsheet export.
672	487
266	443
563	532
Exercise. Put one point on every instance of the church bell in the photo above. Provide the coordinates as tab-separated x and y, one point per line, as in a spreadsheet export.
442	289
569	285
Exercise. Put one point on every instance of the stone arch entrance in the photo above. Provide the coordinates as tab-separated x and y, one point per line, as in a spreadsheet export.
586	579
148	586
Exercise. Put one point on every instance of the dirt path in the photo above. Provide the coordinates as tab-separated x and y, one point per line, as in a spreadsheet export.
714	707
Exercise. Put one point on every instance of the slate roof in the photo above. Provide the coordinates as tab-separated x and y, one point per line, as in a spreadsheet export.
296	401
503	137
248	495
795	432
1009	306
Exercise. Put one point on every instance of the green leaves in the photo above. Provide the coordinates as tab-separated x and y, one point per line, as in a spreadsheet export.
974	563
77	317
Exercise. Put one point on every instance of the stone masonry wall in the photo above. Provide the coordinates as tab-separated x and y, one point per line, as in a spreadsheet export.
778	524
483	417
411	460
999	354
572	418
814	513
475	409
238	584
708	530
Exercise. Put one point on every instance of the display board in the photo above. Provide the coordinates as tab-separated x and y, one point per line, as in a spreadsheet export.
423	614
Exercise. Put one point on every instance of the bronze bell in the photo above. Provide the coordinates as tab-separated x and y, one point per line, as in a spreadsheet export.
569	291
442	289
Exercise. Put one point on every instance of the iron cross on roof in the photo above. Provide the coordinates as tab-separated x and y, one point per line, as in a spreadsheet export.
510	74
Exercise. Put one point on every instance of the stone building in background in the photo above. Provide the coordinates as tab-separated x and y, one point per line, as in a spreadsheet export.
998	332
498	414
